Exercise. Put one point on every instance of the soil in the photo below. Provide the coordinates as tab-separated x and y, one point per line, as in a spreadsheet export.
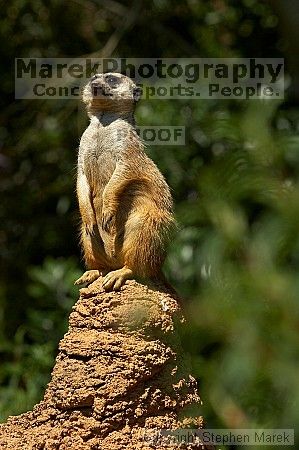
120	376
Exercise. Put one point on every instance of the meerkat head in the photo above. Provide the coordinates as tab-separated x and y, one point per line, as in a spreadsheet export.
111	92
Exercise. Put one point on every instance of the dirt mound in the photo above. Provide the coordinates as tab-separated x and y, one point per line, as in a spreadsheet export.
120	377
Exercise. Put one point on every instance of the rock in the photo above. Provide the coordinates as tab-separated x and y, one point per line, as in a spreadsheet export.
120	377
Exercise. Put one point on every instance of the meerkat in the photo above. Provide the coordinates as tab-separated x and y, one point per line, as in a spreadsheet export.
124	200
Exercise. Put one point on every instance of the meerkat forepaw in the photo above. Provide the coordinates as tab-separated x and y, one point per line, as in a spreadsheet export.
116	279
108	220
90	228
87	278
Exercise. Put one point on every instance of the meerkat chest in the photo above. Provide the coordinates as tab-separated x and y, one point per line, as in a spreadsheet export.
100	148
104	141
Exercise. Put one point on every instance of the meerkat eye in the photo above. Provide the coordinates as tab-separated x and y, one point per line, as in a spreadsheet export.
112	80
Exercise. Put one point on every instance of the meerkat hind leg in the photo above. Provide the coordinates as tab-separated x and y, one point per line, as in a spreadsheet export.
87	278
117	278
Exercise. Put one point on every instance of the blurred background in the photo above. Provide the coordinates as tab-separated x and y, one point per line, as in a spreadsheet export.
235	184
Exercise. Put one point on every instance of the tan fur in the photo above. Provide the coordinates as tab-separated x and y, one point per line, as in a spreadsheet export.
124	201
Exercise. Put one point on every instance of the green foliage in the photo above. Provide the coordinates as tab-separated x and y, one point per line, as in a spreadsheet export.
240	246
236	189
29	357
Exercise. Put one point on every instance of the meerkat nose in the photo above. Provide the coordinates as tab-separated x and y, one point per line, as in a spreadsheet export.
96	85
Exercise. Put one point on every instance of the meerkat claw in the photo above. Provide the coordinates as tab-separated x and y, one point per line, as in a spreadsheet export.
87	278
108	221
90	229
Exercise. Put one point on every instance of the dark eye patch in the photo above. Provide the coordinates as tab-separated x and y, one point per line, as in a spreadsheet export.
112	80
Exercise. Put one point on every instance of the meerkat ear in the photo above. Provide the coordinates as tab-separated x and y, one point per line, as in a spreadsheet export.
137	93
